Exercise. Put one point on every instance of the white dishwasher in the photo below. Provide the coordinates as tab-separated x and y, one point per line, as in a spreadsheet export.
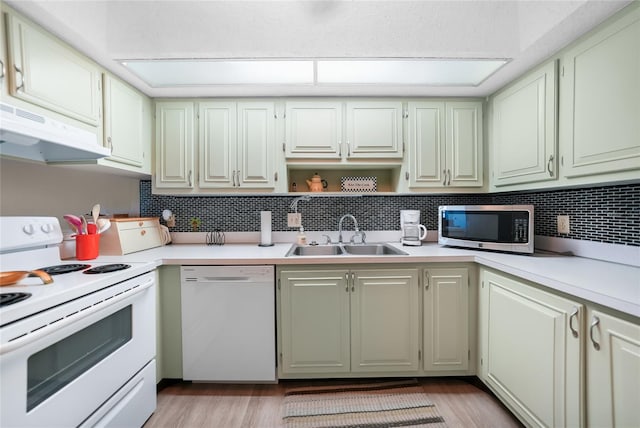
228	323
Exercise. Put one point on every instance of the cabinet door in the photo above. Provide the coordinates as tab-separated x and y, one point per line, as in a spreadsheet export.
217	144
600	101
52	75
256	145
529	356
464	144
613	372
426	144
374	130
314	321
3	58
524	129
174	145
313	129
385	320
123	122
446	319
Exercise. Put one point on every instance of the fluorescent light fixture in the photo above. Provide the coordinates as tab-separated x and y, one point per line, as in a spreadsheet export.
429	72
180	72
162	73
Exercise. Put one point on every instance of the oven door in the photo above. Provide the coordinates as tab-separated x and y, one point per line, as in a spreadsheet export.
75	356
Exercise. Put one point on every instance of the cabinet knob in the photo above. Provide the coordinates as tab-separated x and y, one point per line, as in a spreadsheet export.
140	224
143	232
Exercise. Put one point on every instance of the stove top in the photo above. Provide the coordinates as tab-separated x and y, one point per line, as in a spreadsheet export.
60	269
10	298
107	268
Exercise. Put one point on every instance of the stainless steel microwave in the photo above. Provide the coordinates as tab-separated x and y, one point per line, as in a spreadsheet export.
487	227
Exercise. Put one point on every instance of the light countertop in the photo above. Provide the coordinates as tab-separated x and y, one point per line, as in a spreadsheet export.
613	285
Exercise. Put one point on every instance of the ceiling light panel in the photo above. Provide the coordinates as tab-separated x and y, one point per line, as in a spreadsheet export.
428	72
170	73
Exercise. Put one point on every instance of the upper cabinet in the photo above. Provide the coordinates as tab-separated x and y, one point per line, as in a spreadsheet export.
600	101
45	72
524	130
343	131
232	144
445	144
124	123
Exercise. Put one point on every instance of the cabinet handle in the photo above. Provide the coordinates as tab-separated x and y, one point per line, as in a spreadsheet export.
444	173
339	149
346	279
2	69
348	150
574	315
238	177
549	165
275	176
449	177
426	280
406	175
110	143
353	282
595	321
190	178
18	71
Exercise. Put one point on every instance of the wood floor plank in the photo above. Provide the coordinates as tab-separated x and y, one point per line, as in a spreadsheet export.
195	405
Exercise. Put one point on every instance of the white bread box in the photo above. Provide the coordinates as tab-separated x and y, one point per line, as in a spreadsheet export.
128	235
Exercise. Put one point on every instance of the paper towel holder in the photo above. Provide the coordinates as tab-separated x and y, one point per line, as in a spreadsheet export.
265	229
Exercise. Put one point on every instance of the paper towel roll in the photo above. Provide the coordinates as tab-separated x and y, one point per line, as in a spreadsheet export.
265	228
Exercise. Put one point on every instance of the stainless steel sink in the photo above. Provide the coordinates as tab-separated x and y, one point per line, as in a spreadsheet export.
344	250
315	250
373	250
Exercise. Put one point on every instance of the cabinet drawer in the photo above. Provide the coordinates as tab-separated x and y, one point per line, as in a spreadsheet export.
140	223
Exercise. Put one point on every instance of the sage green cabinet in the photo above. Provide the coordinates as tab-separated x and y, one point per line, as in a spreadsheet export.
531	350
174	145
255	162
341	321
217	144
46	72
313	129
445	144
524	133
374	129
613	370
124	123
446	319
600	101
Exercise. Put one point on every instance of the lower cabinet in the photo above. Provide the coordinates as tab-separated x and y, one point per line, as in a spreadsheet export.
446	319
613	371
340	321
530	351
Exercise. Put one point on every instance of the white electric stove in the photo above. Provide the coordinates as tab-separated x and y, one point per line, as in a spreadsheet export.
79	351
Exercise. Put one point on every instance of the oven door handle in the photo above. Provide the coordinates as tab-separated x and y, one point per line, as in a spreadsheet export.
68	320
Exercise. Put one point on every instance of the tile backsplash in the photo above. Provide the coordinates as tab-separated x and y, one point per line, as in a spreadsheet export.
603	214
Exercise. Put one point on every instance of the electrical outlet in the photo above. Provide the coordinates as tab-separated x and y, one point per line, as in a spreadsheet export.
563	224
294	219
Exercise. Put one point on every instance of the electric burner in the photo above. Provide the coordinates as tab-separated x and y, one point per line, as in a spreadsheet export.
60	269
9	298
107	268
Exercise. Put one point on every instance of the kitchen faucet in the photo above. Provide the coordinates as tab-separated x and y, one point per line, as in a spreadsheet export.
355	224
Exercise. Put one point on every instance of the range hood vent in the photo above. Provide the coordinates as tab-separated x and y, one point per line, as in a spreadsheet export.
28	135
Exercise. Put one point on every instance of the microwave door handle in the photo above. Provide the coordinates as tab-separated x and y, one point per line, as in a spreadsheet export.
44	331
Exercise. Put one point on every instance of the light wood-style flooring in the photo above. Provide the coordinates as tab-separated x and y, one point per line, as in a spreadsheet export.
194	405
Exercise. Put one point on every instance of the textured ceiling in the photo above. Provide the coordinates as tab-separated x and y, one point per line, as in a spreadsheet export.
527	32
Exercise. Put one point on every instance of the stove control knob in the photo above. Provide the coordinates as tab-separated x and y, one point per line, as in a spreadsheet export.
28	229
46	228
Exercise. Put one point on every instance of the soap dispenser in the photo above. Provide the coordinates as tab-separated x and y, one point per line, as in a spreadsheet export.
301	239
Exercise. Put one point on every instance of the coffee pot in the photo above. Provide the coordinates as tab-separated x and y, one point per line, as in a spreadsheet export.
412	231
317	184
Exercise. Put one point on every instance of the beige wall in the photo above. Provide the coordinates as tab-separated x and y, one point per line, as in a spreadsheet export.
34	189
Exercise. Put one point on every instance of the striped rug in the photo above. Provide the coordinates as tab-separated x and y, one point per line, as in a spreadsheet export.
367	405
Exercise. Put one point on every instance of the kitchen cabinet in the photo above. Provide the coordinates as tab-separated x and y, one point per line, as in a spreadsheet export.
530	350
47	73
313	129
348	321
600	101
3	58
234	143
445	144
124	123
613	371
371	129
446	319
524	142
174	145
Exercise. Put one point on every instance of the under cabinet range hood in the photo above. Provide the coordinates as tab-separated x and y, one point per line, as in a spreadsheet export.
28	135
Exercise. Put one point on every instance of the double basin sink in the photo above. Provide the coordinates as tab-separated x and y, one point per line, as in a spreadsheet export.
345	250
